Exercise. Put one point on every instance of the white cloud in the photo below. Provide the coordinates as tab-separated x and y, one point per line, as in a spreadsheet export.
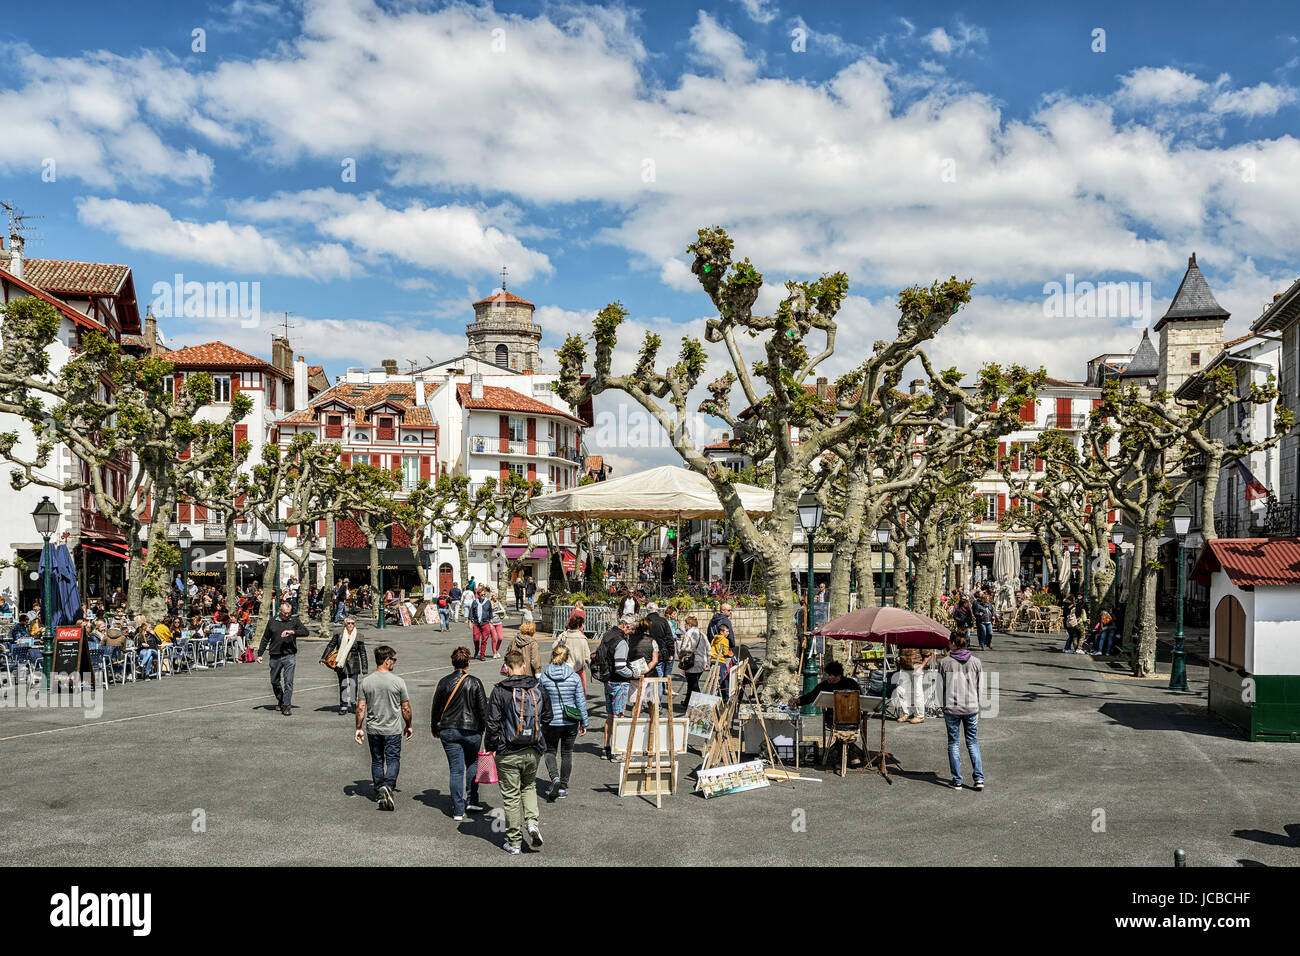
939	41
760	11
960	40
1160	85
239	248
713	45
452	238
1261	100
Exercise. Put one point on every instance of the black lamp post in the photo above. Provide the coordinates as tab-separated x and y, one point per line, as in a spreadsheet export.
882	539
276	532
46	517
185	540
381	543
1182	521
810	518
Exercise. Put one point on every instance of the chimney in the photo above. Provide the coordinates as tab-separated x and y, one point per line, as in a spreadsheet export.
1191	260
726	436
823	387
300	383
916	386
150	331
16	254
281	353
419	392
476	386
390	366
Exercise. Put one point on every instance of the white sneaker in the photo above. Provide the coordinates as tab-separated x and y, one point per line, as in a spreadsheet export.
956	786
459	817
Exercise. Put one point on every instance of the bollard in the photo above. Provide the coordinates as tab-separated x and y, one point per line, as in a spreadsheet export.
1180	857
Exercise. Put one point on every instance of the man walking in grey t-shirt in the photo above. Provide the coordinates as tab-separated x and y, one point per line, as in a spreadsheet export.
383	718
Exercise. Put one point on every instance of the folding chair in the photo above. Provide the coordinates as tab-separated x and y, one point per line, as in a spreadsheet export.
846	725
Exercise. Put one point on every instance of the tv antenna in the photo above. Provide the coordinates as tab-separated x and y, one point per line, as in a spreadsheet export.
16	219
287	325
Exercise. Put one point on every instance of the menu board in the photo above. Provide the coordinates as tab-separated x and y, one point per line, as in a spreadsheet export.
68	644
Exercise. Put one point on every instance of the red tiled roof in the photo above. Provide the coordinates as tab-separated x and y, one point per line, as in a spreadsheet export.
719	446
1238	340
220	355
499	398
1251	562
315	370
506	297
80	319
362	398
75	278
1062	383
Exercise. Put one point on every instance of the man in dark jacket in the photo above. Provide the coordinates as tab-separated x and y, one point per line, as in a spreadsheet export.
982	611
458	717
282	635
662	634
454	596
517	711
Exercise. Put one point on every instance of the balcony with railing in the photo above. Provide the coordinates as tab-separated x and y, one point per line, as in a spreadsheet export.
495	445
1073	422
1280	519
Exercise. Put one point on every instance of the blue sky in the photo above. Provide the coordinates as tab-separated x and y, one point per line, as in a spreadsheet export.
583	145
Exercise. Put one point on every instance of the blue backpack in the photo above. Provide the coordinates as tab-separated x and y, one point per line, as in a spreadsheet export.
523	726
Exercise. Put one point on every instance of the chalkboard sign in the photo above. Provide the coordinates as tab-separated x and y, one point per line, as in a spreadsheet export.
68	644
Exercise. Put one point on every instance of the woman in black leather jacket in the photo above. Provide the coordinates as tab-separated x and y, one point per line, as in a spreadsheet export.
458	716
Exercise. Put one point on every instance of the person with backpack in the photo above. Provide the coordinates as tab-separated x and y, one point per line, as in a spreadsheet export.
443	603
517	711
612	669
458	717
383	719
480	621
568	720
959	674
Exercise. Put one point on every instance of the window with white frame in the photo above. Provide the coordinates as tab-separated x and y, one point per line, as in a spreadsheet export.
518	430
519	469
169	386
990	507
410	470
221	389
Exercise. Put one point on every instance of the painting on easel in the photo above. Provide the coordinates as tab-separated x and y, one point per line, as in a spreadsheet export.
701	711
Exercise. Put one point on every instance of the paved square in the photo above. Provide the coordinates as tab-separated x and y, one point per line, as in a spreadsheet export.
1070	740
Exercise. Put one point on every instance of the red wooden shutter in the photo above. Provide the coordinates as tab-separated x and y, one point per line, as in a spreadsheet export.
375	461
1027	411
200	514
1038	464
1015	502
1015	457
532	436
1096	402
1063	411
396	462
272	386
424	466
1002	504
183	512
1002	452
241	434
532	471
505	470
347	460
503	432
994	406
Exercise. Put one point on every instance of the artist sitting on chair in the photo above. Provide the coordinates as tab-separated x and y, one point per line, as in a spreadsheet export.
835	680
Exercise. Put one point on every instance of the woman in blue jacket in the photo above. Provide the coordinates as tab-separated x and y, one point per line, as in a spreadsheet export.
565	691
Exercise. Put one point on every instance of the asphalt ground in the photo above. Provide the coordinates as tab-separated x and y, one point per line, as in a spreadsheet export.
1083	766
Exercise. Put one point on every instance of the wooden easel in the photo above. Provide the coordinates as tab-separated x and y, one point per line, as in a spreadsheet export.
723	747
655	767
712	681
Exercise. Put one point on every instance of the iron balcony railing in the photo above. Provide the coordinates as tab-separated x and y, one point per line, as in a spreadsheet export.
1066	422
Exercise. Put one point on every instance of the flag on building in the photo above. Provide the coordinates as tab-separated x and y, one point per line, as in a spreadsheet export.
1254	489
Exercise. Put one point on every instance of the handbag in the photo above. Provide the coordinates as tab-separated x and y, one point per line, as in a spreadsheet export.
686	661
332	659
486	768
570	711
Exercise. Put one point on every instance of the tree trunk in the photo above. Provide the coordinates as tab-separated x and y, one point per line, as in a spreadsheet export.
1210	491
845	536
782	657
327	615
154	577
462	558
229	528
1144	663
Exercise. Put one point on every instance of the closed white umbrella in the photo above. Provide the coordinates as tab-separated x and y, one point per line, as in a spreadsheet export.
667	492
219	557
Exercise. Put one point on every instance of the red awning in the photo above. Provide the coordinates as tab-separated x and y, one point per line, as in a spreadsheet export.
120	554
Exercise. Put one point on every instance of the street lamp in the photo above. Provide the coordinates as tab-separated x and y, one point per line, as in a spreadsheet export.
810	518
185	539
882	539
46	517
1182	521
381	542
276	532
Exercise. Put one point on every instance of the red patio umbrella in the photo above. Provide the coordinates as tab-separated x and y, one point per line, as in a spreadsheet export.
892	625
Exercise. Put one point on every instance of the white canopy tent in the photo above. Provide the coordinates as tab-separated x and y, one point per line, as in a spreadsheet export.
664	493
219	557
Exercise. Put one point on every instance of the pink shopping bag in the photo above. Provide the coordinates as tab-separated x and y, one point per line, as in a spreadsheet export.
487	768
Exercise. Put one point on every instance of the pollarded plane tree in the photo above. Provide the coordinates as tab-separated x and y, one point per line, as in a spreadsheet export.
1067	503
461	511
1157	448
786	421
113	413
